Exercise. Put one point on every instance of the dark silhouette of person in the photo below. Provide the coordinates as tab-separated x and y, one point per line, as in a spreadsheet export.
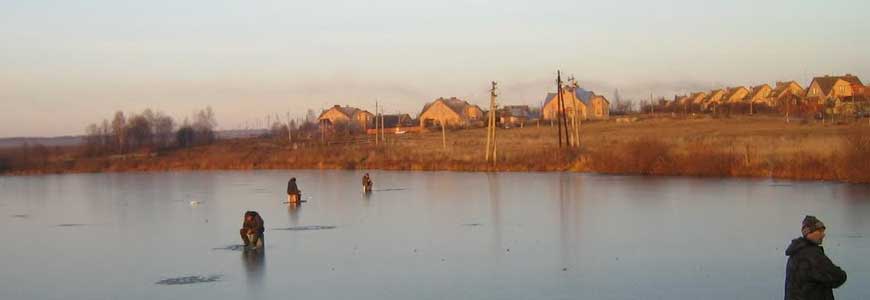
294	195
809	273
252	230
367	183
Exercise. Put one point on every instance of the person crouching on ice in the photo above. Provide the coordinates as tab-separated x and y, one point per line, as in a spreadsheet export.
252	230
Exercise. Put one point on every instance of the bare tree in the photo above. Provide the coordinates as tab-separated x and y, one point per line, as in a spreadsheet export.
119	125
185	135
139	131
163	126
310	116
93	139
204	123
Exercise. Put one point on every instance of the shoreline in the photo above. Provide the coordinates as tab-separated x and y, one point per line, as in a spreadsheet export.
703	148
587	172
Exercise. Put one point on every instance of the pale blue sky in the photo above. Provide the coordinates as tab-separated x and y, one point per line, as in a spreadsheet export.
64	64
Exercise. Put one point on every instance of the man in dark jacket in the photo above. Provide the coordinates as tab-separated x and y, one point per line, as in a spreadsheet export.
294	195
367	183
809	274
252	230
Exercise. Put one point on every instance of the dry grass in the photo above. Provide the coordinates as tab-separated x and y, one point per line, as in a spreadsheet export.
746	147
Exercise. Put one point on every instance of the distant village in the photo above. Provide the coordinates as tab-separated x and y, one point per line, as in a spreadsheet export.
825	96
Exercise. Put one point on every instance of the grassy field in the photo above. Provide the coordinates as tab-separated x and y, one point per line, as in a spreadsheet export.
739	147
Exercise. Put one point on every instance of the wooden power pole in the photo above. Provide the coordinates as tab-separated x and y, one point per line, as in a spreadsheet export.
562	119
491	124
443	136
575	116
383	131
377	115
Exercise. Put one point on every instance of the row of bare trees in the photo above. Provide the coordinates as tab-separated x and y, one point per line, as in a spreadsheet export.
148	130
26	155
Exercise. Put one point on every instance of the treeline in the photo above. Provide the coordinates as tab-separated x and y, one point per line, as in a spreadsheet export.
148	130
293	130
28	156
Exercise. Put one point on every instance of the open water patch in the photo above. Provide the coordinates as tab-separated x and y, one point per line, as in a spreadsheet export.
189	280
307	228
22	216
472	224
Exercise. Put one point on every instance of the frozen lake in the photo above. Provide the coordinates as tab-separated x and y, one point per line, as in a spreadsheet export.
420	235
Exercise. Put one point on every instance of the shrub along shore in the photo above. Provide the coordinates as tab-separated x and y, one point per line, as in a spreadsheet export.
734	147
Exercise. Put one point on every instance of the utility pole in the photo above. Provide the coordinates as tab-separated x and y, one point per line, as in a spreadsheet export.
377	114
750	106
559	105
443	136
573	111
490	129
563	120
575	119
383	131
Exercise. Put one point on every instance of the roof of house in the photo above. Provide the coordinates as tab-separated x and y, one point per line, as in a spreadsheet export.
731	91
756	90
517	111
709	97
695	97
457	105
601	97
346	110
580	93
826	83
396	120
782	87
682	99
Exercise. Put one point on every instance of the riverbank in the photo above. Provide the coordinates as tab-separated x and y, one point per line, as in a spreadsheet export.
733	147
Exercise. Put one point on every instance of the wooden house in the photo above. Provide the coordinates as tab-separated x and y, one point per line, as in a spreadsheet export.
759	94
515	115
785	90
352	116
587	104
696	98
712	99
834	87
735	94
452	112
